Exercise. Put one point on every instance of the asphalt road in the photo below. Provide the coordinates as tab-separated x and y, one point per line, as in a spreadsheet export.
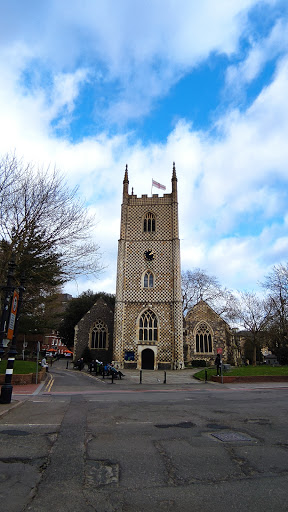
82	444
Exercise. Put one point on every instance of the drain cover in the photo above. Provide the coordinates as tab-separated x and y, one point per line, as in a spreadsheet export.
231	436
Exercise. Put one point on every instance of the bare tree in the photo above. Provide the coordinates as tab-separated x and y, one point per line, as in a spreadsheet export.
276	285
40	214
8	166
198	285
254	315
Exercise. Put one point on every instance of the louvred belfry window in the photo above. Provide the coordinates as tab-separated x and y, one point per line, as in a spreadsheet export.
149	223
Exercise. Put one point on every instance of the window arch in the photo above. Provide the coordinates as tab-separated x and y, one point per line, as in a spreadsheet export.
203	338
99	335
148	326
148	279
149	223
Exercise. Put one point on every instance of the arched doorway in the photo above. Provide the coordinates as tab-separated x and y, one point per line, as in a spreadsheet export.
147	359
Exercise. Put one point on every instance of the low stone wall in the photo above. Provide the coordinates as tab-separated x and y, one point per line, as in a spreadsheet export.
252	379
25	378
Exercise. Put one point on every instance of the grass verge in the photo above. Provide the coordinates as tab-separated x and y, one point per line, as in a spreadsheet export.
20	367
245	371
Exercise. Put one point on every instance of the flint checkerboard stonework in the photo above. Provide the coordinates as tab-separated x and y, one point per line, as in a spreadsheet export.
164	298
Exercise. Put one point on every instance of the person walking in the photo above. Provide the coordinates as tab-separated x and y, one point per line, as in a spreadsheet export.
218	363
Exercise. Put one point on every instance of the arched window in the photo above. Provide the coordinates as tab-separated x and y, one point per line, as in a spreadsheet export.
149	223
99	335
203	338
148	280
148	328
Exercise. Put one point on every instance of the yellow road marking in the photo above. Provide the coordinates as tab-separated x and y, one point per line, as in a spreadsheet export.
49	384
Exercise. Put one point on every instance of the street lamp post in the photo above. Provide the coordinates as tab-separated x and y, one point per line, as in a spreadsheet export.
8	290
6	390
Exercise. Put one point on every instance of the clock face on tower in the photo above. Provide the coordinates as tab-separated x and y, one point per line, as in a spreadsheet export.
149	255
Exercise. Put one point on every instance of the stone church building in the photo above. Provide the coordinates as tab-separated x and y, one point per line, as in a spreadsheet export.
145	330
205	332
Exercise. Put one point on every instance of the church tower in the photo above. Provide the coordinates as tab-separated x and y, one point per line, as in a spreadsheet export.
148	322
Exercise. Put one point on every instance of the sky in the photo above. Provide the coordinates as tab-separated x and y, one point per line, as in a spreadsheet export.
91	86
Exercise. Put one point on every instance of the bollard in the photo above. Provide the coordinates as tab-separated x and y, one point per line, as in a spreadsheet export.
103	373
67	365
164	378
140	376
206	376
112	377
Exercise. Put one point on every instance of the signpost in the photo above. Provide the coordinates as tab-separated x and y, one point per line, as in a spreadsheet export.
37	367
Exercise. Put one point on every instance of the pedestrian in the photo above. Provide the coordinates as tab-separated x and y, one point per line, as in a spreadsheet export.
218	363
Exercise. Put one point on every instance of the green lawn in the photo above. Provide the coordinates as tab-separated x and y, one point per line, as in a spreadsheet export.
245	371
20	367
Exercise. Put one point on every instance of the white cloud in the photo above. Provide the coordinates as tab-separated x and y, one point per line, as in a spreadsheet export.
261	52
144	46
242	170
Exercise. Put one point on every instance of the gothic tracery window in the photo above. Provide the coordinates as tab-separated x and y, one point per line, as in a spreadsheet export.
149	223
148	280
203	338
148	327
99	335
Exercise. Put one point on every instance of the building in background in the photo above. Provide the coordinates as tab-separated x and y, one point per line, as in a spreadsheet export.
54	346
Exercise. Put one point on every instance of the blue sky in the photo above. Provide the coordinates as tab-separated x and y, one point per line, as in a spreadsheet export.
90	86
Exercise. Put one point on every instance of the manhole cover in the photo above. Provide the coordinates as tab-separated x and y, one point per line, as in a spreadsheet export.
230	436
15	432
